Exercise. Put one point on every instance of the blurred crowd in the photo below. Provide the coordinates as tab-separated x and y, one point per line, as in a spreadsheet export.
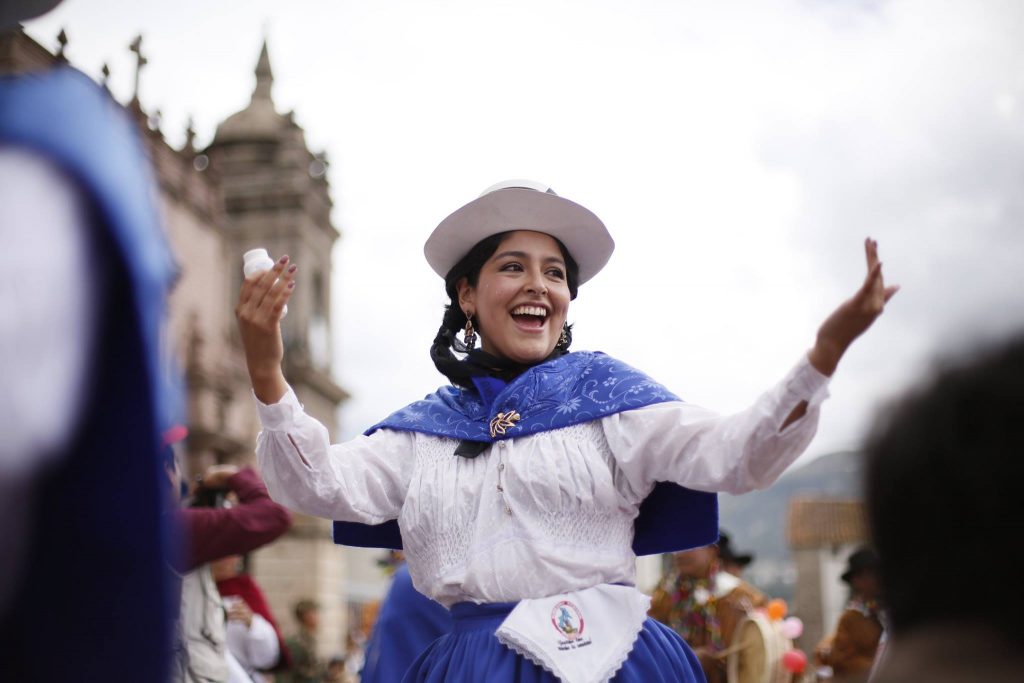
733	626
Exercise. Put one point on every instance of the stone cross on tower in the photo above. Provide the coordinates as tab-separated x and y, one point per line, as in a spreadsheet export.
140	61
62	40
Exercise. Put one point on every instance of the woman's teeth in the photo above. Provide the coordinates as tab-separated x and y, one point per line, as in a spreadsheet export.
530	310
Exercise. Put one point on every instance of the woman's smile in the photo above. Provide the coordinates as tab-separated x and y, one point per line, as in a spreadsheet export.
530	318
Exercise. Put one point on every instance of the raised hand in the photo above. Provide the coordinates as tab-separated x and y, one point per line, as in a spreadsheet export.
216	476
261	302
854	316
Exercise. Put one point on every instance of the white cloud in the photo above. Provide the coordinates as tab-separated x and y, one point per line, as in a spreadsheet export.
739	152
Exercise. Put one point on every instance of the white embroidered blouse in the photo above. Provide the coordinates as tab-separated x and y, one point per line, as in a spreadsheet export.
543	514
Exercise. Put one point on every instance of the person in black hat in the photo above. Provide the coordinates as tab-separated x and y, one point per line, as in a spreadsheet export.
862	571
732	561
850	651
520	490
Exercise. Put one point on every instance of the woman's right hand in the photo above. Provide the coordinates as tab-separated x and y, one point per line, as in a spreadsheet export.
261	302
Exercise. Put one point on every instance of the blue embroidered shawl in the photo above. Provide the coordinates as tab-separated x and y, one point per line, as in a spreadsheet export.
572	389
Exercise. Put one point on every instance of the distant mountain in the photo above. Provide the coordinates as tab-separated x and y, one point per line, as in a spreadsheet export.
756	521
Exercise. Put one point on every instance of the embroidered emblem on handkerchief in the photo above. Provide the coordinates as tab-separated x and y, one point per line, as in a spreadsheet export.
568	620
580	637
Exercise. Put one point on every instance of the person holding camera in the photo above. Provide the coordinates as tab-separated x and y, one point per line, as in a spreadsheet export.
211	533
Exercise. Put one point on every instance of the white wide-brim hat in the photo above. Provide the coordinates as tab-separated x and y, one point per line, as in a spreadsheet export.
521	205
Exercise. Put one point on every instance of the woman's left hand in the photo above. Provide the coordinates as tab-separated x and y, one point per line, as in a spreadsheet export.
853	317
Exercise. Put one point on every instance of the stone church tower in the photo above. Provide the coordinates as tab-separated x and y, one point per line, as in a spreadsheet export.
276	195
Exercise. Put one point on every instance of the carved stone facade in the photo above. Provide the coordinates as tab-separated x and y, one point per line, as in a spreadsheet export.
256	185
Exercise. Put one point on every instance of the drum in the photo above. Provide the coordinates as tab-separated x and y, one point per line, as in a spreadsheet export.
755	654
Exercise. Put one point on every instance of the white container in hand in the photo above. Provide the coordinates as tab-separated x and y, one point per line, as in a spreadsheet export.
256	261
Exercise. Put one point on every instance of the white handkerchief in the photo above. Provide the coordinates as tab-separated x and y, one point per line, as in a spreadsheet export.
580	637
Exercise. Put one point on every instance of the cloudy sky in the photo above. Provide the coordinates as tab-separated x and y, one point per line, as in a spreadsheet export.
738	151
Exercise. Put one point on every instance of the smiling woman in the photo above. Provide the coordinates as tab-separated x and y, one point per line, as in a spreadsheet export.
513	289
524	491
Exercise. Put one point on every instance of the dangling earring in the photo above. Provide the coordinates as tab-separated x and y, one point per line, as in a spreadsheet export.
469	334
563	339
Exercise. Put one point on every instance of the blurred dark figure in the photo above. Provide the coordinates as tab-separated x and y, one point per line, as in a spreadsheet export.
850	650
307	666
407	623
944	473
704	605
83	590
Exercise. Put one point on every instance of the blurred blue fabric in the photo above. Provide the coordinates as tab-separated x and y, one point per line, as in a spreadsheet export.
96	603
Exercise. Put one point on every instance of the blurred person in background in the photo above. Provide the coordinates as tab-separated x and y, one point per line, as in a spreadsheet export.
214	531
252	632
704	604
336	672
251	640
307	665
944	469
849	651
355	653
83	544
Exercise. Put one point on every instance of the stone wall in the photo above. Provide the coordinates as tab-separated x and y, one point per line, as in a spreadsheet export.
306	564
807	597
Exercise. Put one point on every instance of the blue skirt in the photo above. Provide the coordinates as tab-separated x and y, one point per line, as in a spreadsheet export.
472	653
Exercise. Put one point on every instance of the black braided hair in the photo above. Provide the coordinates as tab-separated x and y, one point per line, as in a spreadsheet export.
461	372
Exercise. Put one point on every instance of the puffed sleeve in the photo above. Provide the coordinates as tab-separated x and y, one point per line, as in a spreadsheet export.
363	480
262	647
696	448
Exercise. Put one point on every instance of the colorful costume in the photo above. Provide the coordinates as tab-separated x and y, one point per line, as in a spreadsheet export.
547	513
705	612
